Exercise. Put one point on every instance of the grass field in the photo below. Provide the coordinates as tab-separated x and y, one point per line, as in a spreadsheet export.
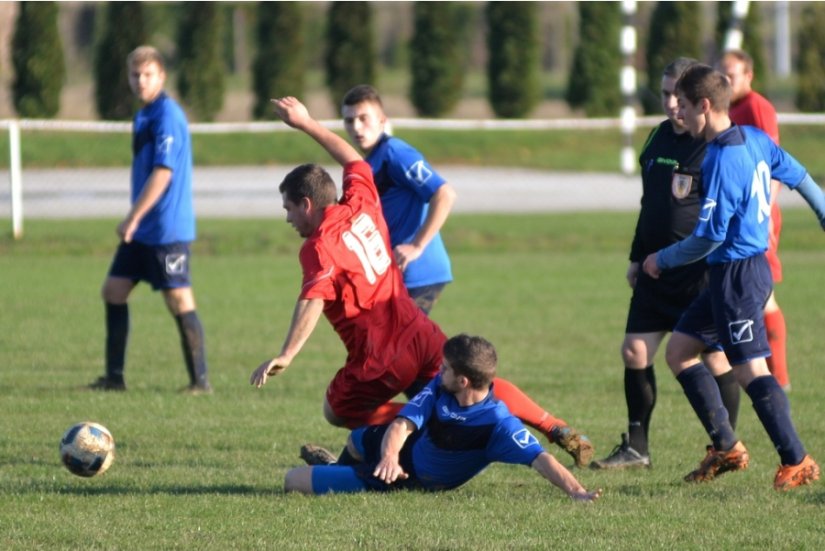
206	472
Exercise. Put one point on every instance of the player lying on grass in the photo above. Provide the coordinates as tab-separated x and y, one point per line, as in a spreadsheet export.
349	276
445	435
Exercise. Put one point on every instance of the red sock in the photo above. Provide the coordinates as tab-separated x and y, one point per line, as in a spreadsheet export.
524	408
383	414
777	364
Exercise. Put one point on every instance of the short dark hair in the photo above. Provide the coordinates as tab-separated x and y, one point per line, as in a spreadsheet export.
312	181
360	94
677	67
472	357
702	81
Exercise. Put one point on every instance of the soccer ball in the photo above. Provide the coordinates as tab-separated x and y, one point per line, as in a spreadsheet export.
87	449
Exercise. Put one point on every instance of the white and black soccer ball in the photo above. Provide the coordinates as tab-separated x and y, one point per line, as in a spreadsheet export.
87	449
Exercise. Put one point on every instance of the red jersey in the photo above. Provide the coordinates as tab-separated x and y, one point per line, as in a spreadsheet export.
755	110
348	263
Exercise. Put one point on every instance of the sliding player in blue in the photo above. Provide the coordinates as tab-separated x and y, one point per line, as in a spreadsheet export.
442	438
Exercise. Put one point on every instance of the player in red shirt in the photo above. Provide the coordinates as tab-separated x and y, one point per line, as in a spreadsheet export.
748	107
349	276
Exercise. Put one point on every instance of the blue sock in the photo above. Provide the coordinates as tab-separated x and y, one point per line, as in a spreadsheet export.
774	411
703	394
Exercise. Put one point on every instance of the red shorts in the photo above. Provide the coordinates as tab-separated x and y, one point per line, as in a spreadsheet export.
353	398
773	243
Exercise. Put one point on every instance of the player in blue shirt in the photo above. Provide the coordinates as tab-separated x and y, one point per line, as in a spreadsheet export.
415	198
732	234
156	233
442	438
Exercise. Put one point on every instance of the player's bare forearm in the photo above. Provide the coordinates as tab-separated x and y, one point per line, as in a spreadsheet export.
389	469
295	114
304	319
156	185
558	475
441	203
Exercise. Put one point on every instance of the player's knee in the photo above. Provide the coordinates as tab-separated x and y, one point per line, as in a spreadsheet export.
298	479
634	354
352	450
331	417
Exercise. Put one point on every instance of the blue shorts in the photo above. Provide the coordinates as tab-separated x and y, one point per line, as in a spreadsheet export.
162	266
730	311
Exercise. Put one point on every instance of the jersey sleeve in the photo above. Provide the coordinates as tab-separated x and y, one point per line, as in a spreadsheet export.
785	168
318	271
168	138
720	201
408	168
358	183
421	406
513	443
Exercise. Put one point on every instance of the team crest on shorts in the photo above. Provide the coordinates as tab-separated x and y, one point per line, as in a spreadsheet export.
741	331
176	264
680	184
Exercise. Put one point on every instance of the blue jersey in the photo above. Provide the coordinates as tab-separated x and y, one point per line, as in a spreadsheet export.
736	179
160	138
406	182
455	443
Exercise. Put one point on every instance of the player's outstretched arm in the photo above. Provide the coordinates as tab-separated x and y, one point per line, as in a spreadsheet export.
295	114
389	469
304	319
558	475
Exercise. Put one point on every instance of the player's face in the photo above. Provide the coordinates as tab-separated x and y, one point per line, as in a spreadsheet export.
670	103
692	116
146	81
364	123
449	380
740	78
298	216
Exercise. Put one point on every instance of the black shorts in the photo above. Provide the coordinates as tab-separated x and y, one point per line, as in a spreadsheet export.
731	311
657	306
162	266
367	441
426	296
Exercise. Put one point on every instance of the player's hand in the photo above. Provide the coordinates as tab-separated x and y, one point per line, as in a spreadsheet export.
388	470
588	497
126	229
266	370
632	274
291	111
406	253
650	266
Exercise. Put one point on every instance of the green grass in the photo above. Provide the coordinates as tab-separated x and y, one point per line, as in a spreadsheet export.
206	472
568	150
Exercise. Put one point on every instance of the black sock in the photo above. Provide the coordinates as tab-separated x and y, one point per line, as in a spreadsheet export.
640	394
729	389
346	458
117	333
703	394
774	411
191	339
